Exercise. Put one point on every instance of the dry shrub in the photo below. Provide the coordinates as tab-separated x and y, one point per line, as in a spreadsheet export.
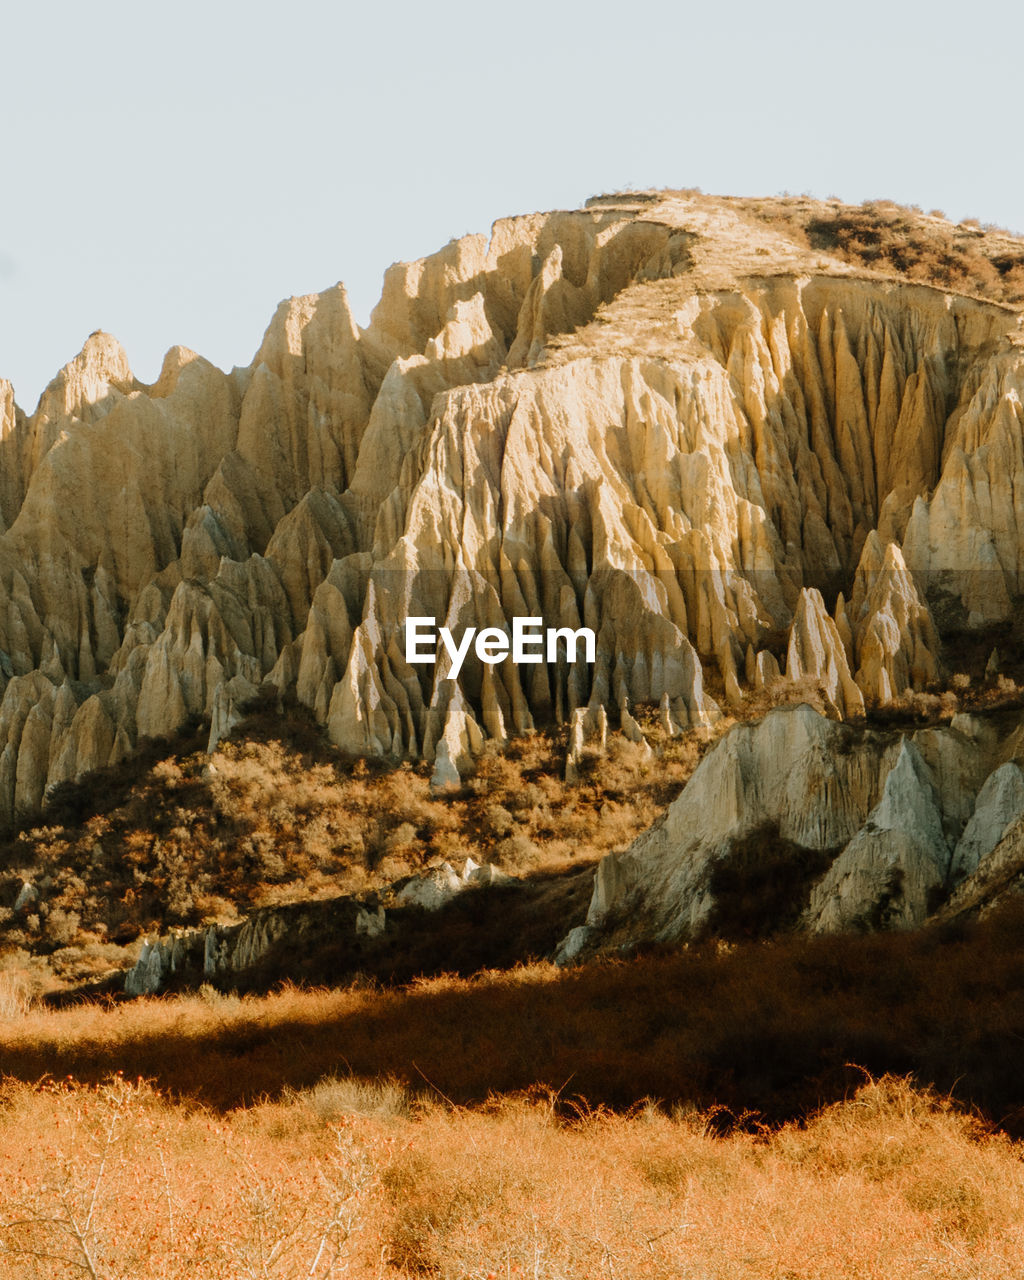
762	884
897	239
113	1182
116	1182
497	820
336	1096
517	853
277	815
511	1191
402	838
941	1162
16	996
920	704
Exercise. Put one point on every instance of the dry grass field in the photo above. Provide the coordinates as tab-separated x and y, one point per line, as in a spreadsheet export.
351	1178
788	1108
770	1030
807	1109
799	1109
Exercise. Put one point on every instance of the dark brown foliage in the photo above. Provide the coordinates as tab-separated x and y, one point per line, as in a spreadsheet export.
762	886
883	236
770	1028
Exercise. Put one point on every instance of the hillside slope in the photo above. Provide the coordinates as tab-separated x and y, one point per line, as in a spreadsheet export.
739	439
798	822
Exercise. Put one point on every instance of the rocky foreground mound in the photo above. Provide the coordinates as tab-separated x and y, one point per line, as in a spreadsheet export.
717	441
796	824
862	830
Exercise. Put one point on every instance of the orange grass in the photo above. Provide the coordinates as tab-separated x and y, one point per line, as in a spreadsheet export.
116	1183
769	1028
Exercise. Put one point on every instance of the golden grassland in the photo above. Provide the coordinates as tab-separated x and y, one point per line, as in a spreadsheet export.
764	1032
362	1179
690	1114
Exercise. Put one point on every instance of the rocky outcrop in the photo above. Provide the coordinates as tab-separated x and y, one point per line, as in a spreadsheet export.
896	861
794	771
898	819
817	649
237	956
1000	803
998	878
439	885
657	418
349	935
895	640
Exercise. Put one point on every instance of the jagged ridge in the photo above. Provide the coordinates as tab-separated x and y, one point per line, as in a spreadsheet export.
657	417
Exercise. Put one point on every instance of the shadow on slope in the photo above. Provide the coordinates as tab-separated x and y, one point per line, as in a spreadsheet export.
770	1031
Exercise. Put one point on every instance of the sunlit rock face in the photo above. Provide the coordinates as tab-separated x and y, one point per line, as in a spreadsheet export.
891	827
655	417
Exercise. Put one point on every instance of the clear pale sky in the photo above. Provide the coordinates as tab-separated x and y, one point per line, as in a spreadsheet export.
170	172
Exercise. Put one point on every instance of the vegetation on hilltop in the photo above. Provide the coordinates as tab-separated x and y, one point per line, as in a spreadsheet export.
966	257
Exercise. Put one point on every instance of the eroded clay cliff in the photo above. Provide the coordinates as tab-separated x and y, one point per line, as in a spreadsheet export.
889	826
658	417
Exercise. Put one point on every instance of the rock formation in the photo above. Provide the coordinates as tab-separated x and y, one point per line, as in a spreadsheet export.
889	869
899	818
657	417
229	956
278	941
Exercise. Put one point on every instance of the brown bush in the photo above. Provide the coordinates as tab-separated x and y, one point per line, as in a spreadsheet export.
517	853
116	1181
899	240
276	815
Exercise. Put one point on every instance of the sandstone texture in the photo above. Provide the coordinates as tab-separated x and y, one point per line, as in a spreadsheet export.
899	821
730	455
